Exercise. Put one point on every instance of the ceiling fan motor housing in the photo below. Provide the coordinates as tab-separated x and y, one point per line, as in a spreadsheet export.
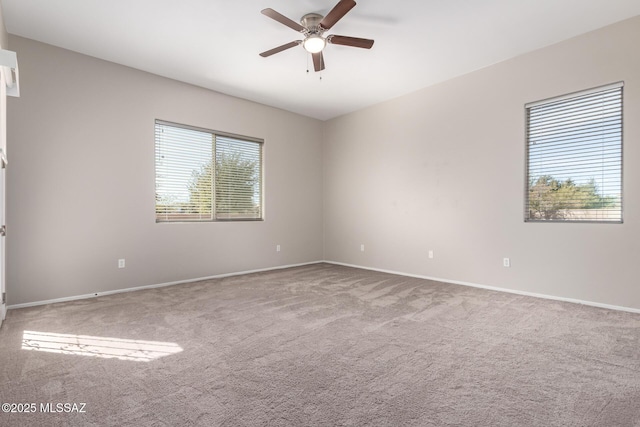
311	21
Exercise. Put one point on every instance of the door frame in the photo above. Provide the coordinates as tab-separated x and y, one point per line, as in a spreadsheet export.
3	177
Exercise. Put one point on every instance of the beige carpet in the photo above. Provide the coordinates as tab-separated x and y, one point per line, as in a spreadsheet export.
321	345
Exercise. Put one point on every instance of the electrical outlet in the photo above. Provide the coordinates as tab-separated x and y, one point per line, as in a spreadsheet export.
430	254
506	262
361	248
121	263
277	248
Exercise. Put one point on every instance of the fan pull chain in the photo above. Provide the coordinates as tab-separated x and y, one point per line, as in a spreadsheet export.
319	73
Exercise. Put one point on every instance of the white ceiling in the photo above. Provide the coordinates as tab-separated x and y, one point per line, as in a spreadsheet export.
215	43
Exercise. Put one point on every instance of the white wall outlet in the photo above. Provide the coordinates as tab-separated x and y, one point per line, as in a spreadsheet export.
506	262
121	263
430	254
362	248
277	248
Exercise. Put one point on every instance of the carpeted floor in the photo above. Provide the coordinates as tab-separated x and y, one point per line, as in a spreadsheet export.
320	345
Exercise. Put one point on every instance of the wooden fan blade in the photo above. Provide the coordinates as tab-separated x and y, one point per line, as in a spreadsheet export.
318	61
350	41
279	49
282	19
337	13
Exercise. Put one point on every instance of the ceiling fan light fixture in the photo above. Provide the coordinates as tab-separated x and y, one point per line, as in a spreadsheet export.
314	43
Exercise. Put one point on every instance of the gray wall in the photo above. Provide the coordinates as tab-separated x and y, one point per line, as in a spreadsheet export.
443	169
4	36
81	181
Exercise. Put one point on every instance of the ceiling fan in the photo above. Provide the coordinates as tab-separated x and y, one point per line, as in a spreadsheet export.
313	26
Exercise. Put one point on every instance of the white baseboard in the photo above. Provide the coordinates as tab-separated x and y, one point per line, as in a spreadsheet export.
400	273
159	285
493	288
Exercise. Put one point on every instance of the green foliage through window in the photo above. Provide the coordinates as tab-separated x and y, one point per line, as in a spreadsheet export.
552	199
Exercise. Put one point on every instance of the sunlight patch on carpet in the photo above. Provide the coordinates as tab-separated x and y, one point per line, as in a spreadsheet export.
104	347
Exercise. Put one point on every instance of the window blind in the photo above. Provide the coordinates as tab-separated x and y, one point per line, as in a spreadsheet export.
574	157
205	176
238	182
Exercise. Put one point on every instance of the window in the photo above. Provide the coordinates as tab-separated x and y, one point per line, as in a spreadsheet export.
574	157
203	175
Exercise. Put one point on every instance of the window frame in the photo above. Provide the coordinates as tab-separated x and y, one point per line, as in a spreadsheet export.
527	108
214	134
